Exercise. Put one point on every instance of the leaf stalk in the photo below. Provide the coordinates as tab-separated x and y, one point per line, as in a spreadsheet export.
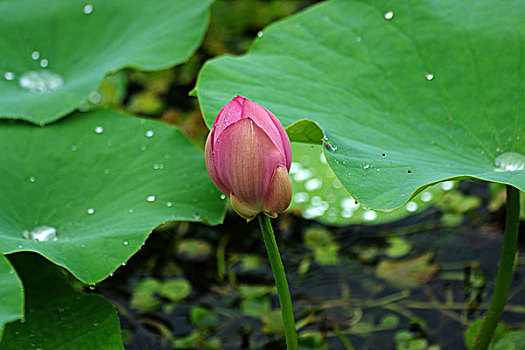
280	281
505	271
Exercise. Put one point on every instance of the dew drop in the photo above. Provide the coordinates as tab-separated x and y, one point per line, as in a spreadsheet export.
74	148
143	147
389	15
150	198
95	97
41	81
44	63
99	129
9	76
510	161
260	34
90	211
429	76
150	133
223	196
366	166
35	55
411	206
358	39
131	211
88	9
42	233
32	179
125	242
106	171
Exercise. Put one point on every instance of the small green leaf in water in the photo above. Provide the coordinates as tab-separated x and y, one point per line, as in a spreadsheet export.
203	318
147	293
194	249
407	273
398	247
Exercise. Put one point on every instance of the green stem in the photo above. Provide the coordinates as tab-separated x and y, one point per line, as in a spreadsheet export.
280	281
505	270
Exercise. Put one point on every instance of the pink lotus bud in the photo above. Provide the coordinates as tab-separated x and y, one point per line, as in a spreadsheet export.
248	156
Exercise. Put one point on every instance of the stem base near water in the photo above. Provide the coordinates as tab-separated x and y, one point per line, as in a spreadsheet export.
505	270
280	281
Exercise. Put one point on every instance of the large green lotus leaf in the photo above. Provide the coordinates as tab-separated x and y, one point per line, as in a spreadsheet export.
56	317
53	53
319	195
11	294
87	191
407	93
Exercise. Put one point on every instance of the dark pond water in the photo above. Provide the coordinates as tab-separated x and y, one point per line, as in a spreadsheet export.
413	284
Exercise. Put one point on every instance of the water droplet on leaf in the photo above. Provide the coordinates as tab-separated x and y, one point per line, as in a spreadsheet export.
88	9
9	76
95	97
41	233
41	81
510	161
